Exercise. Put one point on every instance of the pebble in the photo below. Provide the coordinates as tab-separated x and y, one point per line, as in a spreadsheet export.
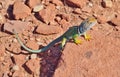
15	68
27	58
33	56
15	40
37	8
90	4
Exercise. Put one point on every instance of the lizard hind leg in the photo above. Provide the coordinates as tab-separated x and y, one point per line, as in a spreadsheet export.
64	40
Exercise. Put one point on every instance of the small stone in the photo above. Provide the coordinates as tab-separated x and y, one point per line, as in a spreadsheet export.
90	4
33	56
32	39
58	7
37	8
15	68
107	3
11	55
15	40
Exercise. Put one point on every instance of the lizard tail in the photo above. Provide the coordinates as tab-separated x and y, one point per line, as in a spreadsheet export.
40	50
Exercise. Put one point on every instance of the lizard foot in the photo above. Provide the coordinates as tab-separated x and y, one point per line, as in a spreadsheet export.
87	37
78	41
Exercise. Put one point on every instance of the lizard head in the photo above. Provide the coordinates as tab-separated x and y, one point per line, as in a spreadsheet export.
87	24
90	22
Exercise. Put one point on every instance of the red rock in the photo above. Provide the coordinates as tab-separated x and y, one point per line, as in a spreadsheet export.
76	3
20	10
19	26
46	30
47	15
33	45
116	20
34	65
33	3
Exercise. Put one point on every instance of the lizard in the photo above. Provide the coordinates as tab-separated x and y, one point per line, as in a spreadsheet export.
71	34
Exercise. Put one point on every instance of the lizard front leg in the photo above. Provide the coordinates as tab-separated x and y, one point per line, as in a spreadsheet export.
76	40
87	37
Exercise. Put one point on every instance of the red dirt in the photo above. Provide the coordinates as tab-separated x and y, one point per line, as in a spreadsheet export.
98	57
